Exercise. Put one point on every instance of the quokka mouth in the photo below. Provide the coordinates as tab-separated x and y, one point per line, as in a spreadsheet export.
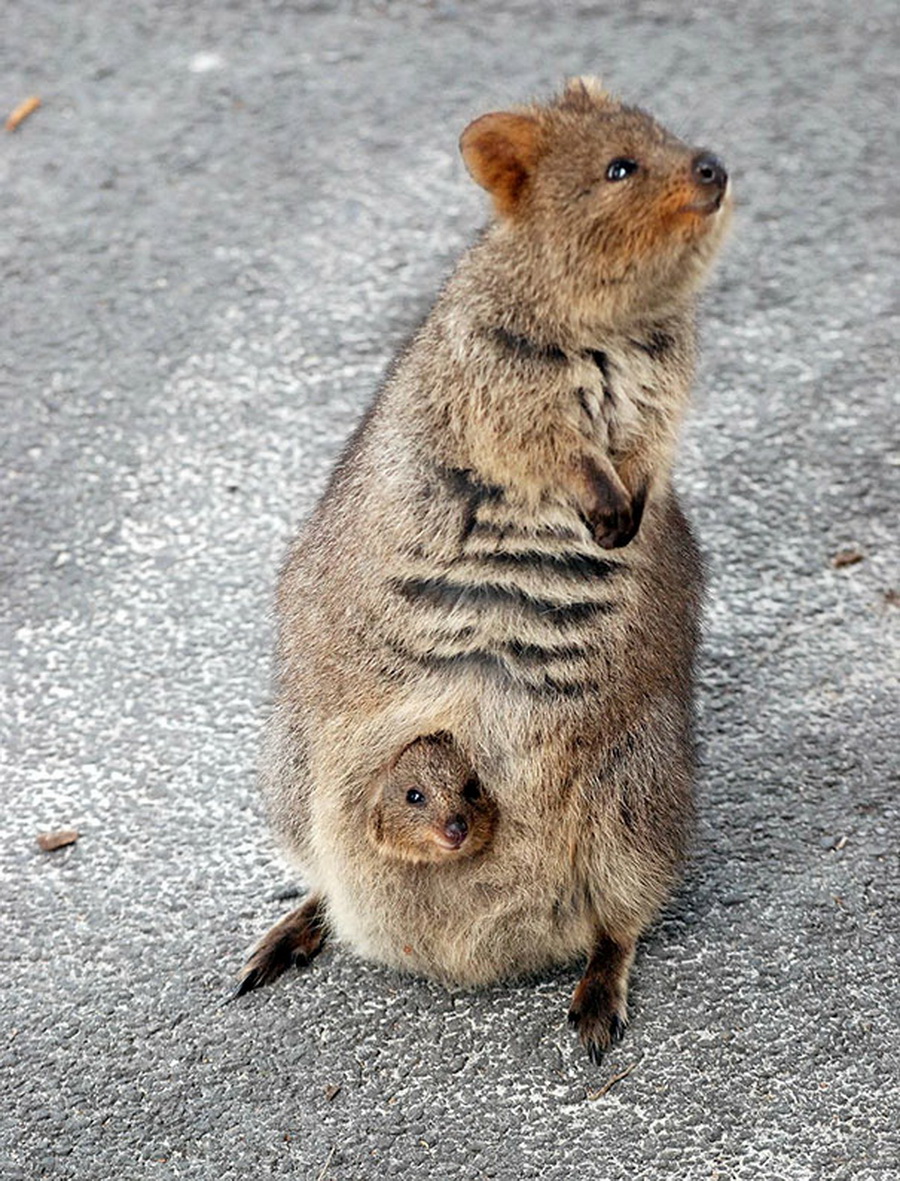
707	207
447	845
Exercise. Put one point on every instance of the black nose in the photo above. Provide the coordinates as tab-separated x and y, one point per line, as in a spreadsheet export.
709	170
456	829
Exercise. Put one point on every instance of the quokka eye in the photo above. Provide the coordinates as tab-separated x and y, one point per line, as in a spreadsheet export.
471	791
414	797
621	167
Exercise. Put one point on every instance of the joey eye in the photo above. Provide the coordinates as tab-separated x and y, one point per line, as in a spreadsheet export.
471	791
414	797
620	168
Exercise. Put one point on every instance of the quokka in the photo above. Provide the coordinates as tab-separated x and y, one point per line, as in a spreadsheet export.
428	805
501	557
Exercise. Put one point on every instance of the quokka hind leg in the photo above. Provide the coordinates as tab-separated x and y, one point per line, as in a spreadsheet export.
598	1009
291	943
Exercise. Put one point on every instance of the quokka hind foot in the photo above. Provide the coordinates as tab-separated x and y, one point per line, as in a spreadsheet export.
599	1005
292	943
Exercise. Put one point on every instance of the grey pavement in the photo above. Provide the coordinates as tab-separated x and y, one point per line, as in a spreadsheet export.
215	231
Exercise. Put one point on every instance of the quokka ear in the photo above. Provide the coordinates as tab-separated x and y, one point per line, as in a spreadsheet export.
585	93
500	151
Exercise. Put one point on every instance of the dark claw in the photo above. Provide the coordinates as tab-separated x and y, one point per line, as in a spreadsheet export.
262	974
595	1053
591	1033
244	985
253	978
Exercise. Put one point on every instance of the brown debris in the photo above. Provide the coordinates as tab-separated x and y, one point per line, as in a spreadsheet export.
611	1082
49	841
847	557
21	112
333	1091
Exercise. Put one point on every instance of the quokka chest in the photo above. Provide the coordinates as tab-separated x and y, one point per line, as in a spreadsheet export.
622	397
516	593
528	602
620	402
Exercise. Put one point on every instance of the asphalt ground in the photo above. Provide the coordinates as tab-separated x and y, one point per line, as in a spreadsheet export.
214	232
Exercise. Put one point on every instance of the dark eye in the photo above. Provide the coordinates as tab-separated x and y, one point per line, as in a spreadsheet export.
414	797
621	167
472	791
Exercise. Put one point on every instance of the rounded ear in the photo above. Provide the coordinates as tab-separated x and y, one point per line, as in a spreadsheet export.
500	151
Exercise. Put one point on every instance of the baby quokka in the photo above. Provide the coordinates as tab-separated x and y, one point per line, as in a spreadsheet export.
499	590
427	806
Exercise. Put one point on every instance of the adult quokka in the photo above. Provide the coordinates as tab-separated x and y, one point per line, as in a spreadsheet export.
500	556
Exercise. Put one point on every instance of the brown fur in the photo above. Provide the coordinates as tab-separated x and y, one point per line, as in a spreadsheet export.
450	819
500	152
500	556
292	942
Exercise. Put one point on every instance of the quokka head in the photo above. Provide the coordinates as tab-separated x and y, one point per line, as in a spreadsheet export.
604	202
428	805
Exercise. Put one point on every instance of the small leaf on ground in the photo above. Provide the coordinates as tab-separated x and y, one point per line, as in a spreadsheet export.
846	557
49	841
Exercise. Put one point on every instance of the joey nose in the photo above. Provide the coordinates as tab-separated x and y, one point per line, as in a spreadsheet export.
456	829
709	170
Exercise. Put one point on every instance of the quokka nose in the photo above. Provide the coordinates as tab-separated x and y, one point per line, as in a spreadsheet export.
709	170
456	829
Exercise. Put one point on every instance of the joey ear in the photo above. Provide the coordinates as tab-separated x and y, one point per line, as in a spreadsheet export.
500	151
375	825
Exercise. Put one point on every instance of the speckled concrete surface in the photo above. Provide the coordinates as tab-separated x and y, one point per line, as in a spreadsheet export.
214	232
